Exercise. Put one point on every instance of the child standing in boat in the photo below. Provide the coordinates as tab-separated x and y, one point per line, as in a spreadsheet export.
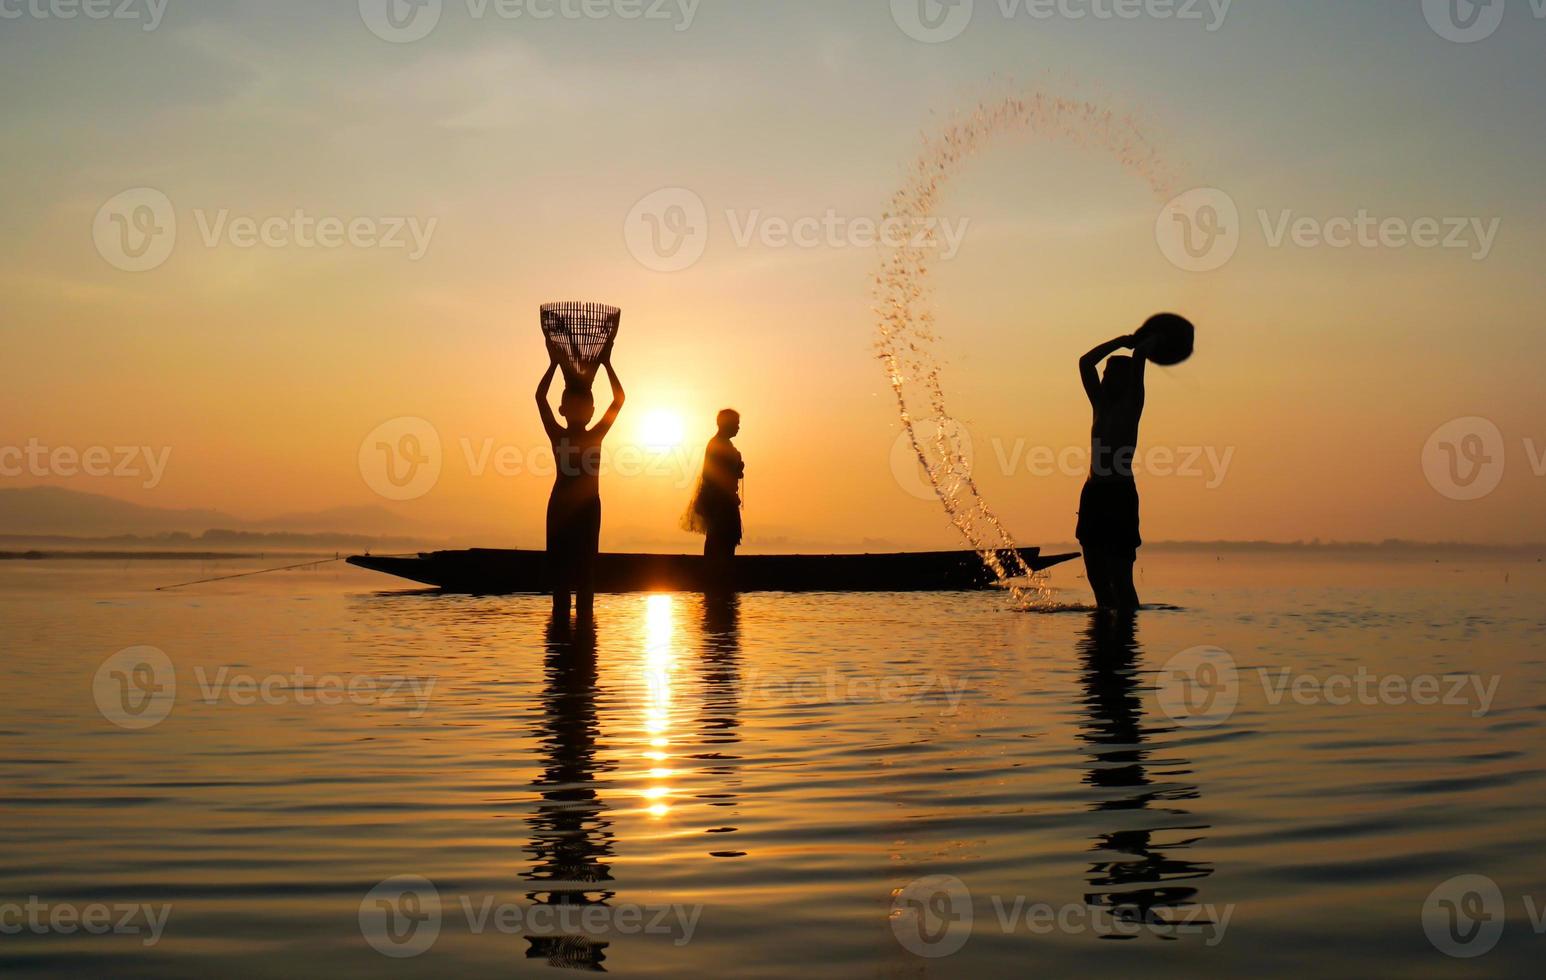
715	511
574	509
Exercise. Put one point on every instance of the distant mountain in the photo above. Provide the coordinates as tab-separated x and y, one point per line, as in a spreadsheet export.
351	520
54	510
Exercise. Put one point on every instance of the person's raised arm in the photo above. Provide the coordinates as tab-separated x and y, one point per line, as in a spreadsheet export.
1141	354
618	397
549	423
1089	362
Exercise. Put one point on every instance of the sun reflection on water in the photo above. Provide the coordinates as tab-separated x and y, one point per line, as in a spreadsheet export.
659	665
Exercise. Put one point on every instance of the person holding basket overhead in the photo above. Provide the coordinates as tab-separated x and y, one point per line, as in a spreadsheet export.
579	341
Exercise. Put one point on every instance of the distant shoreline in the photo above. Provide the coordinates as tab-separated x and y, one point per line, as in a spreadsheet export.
161	555
223	543
61	551
1392	548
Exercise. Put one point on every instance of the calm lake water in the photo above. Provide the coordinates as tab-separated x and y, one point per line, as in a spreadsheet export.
308	775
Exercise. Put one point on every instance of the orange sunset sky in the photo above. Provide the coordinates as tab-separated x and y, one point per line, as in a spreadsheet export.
1320	375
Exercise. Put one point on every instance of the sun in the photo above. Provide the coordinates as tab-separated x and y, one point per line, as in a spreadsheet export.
662	429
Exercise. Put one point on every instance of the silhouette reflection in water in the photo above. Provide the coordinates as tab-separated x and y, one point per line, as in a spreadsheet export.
719	725
571	827
1135	877
571	836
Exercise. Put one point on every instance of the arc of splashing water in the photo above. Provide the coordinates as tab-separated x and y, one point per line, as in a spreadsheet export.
906	329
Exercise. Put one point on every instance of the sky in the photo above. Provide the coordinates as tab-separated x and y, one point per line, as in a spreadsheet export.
1342	389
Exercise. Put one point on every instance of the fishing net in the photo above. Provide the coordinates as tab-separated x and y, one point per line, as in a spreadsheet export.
581	332
908	340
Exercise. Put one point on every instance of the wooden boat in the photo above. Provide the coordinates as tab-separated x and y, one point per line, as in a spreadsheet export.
489	572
